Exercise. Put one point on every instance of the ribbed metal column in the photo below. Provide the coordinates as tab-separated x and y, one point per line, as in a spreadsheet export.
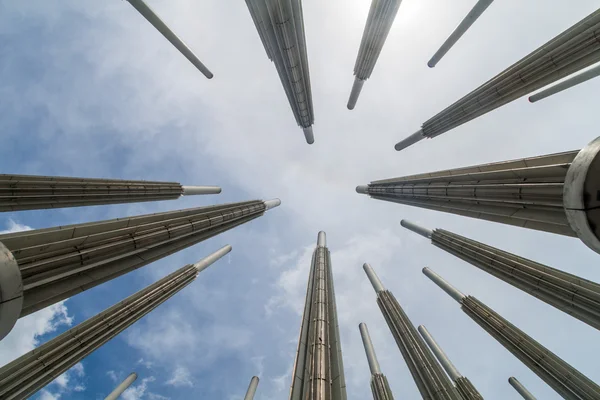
432	382
520	389
31	192
318	372
280	25
379	22
576	48
560	376
379	383
155	20
29	373
57	263
252	388
566	84
114	395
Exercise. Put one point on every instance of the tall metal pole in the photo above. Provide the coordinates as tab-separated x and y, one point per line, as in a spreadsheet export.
114	395
29	373
155	20
569	83
44	266
569	293
31	192
520	388
252	388
559	375
379	383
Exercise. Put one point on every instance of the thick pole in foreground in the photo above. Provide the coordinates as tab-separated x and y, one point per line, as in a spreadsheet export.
155	20
31	192
564	85
114	395
554	193
318	372
559	375
252	388
520	389
432	382
29	373
44	266
569	293
466	23
379	383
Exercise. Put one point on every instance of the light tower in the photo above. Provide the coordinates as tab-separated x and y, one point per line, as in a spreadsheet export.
379	22
560	376
520	389
280	25
44	266
428	375
30	192
554	193
252	388
318	372
574	49
114	395
569	293
29	373
379	383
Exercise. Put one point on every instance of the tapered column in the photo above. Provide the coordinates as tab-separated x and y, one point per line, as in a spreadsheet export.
520	389
50	265
553	193
154	19
564	85
318	372
379	383
560	376
576	48
432	382
29	373
30	192
114	395
280	26
379	22
569	293
466	389
252	388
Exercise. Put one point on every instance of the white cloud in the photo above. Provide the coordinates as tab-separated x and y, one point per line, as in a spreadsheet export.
13	227
112	375
71	379
145	363
46	395
140	391
180	377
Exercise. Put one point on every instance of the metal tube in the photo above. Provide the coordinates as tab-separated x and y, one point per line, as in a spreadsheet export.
208	261
308	135
194	190
272	203
466	23
252	388
576	80
439	354
409	141
445	286
369	350
114	395
321	239
377	285
356	88
520	388
362	189
426	233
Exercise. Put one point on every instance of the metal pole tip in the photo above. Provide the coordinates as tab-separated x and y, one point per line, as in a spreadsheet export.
272	203
362	189
409	141
308	135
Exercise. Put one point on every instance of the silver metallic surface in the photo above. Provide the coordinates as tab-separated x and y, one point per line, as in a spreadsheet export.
194	190
439	354
520	388
426	233
465	24
566	84
154	19
373	278
571	51
362	189
559	375
280	26
410	140
272	203
322	239
11	291
356	89
318	372
445	286
29	373
114	395
252	388
369	350
381	388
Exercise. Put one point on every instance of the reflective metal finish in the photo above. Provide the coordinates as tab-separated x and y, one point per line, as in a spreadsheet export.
114	395
520	389
379	383
564	85
318	372
252	388
576	48
280	25
29	373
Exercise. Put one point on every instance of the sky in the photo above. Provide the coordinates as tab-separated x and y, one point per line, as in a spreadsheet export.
90	89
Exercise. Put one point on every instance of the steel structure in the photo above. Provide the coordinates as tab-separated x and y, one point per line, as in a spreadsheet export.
280	25
29	373
560	376
464	386
569	293
43	266
318	372
252	388
30	192
554	193
379	22
576	48
569	83
114	395
156	22
520	389
432	382
379	383
460	30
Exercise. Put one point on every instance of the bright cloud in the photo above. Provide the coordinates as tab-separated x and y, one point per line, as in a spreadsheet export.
181	377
